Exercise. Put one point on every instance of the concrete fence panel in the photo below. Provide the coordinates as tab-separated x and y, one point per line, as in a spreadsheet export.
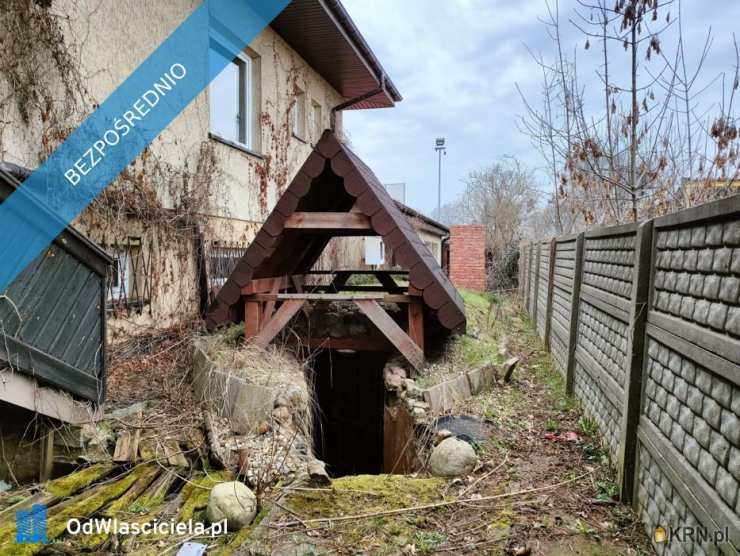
603	327
543	273
563	279
532	280
689	425
643	320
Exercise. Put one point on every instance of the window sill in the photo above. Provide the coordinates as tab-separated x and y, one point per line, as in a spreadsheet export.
301	139
126	303
235	145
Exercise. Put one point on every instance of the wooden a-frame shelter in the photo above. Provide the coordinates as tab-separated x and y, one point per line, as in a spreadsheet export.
336	194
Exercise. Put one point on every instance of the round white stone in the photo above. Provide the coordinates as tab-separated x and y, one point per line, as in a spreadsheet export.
452	457
233	502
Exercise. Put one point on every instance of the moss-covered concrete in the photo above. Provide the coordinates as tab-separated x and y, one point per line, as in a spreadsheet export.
369	494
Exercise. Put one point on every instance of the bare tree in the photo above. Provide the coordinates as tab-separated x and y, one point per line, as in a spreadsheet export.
502	197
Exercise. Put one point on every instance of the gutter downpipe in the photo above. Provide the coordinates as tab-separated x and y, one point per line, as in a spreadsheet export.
356	100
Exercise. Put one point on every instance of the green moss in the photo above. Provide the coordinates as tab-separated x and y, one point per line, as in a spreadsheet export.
196	492
243	535
84	505
368	494
126	502
75	482
365	493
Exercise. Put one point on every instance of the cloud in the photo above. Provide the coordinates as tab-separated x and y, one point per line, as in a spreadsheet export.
457	64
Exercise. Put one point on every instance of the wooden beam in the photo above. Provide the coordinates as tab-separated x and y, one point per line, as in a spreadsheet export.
264	285
348	288
359	271
388	282
328	221
416	324
413	354
252	317
380	296
357	343
340	279
269	307
272	327
298	282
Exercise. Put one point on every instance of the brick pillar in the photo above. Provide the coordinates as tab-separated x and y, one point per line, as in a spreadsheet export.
468	257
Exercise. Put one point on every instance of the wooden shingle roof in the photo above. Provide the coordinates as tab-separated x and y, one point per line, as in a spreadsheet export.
334	179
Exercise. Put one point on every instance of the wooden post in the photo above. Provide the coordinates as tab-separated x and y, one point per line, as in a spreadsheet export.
635	348
570	365
47	455
252	317
550	287
416	324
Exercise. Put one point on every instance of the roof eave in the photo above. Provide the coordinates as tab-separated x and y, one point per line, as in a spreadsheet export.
324	35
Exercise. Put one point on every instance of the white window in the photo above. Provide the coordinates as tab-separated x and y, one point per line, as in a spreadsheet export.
374	250
120	274
316	126
231	99
299	115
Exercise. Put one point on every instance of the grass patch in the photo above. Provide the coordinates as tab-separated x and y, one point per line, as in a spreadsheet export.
477	348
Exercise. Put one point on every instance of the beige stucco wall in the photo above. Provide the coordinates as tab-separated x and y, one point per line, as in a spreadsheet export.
106	41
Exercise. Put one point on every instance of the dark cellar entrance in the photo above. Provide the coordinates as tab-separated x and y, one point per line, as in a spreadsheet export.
348	416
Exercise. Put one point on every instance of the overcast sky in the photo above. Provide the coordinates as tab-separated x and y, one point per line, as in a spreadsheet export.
456	63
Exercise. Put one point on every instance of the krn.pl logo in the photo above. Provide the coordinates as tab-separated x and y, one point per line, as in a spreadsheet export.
660	535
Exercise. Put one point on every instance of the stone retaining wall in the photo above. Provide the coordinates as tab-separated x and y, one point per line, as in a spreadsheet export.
644	322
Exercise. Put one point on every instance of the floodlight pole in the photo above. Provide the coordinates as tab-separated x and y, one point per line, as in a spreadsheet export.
439	146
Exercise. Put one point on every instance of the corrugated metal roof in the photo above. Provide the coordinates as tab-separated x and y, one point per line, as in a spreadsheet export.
323	33
333	178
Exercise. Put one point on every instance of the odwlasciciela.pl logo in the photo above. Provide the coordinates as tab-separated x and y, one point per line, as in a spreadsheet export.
30	525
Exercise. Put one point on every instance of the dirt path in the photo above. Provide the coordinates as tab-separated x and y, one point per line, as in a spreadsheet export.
543	486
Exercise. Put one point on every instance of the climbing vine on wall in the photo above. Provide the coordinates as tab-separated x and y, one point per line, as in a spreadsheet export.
167	193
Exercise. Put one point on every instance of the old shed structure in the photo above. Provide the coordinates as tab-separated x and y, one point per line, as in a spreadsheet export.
336	194
52	319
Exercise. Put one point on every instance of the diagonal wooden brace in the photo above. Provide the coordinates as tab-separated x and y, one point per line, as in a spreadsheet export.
395	334
282	316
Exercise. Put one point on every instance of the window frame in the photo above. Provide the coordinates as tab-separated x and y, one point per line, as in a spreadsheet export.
298	117
316	113
121	269
246	110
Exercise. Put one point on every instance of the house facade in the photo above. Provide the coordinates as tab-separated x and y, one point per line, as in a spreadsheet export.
180	216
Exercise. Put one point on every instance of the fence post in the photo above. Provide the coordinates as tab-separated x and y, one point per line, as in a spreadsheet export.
535	291
575	300
550	276
522	270
635	350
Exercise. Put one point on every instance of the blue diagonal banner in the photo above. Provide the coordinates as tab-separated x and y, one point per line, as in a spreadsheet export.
129	120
